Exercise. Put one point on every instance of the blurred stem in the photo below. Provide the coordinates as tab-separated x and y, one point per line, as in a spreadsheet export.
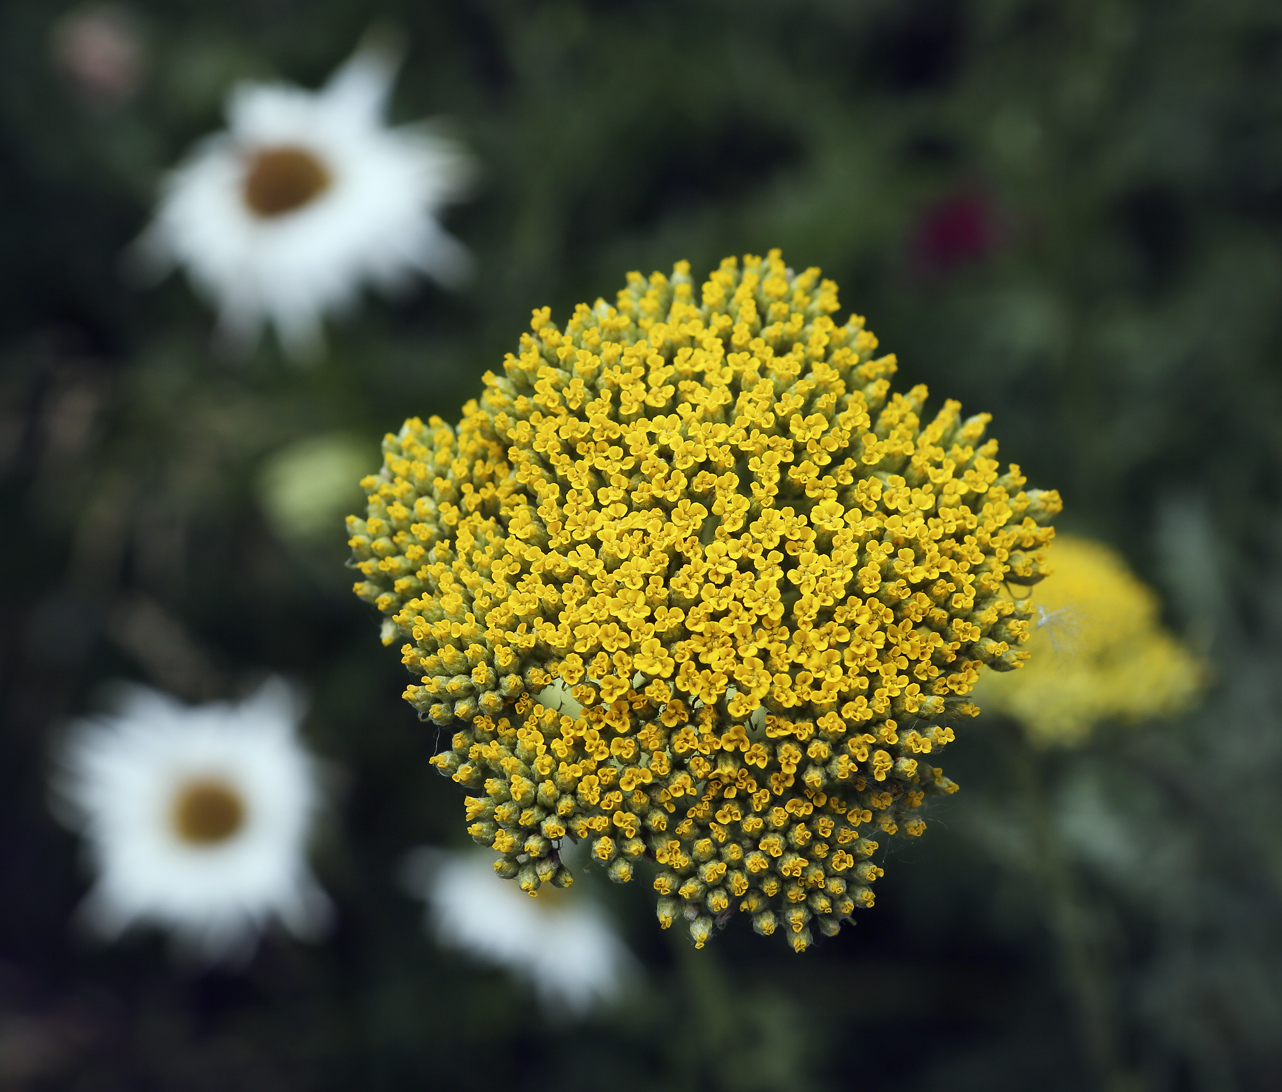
704	985
1075	931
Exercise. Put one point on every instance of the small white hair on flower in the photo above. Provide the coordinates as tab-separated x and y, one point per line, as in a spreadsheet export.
566	948
306	198
196	818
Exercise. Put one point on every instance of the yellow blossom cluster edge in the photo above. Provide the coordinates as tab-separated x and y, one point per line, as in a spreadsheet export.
1099	653
691	584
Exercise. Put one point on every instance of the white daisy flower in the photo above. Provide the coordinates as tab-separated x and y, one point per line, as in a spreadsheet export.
564	945
196	818
304	199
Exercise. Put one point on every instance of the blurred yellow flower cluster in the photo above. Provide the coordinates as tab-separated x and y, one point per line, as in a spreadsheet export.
700	522
1098	652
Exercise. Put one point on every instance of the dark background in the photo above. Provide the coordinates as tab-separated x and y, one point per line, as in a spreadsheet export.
1065	213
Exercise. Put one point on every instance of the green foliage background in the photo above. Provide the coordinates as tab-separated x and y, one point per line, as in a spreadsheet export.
1068	214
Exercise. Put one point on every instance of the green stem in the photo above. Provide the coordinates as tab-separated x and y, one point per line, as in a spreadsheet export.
1076	933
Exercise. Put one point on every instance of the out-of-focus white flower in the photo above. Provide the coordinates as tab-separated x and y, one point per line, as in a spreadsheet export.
304	199
565	946
196	818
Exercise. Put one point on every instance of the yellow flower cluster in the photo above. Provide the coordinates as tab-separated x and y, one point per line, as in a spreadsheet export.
699	522
1099	652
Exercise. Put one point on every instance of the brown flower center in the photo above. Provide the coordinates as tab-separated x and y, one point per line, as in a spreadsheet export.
207	811
282	179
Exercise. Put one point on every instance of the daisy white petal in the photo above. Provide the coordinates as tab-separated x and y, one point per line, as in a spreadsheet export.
566	948
304	200
196	818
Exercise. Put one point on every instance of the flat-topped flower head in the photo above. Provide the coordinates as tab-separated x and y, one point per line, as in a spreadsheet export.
693	585
1100	652
307	198
197	818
